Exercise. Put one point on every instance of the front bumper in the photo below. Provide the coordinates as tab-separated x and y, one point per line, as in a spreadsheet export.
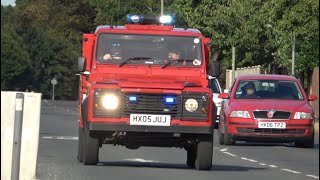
268	138
249	131
107	127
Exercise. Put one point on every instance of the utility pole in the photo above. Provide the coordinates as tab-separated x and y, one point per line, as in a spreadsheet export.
233	62
293	53
161	7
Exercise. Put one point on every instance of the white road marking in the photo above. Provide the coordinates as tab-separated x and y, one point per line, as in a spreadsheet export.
60	137
244	158
289	170
224	149
263	164
230	154
252	160
313	176
141	160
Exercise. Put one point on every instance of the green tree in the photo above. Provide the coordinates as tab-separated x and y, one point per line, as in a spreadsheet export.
15	61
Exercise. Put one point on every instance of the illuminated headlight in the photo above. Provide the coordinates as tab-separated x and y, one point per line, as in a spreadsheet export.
110	101
302	115
191	105
240	114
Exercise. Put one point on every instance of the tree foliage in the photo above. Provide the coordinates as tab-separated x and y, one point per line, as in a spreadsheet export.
41	39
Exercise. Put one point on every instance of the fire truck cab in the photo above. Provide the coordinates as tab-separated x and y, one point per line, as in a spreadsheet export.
145	84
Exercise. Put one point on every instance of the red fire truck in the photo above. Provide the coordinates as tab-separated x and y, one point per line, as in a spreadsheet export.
145	84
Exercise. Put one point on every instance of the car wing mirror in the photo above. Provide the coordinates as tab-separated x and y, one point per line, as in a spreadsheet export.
224	96
312	97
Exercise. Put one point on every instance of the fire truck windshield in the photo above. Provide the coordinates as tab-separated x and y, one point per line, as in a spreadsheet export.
155	50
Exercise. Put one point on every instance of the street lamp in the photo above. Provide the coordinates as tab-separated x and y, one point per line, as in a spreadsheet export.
53	82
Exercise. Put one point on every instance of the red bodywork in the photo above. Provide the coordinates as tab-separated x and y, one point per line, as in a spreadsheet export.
141	78
231	125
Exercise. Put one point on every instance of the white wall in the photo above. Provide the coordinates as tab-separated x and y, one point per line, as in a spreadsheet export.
29	137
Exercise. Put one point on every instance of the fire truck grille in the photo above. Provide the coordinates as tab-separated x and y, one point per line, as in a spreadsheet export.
136	103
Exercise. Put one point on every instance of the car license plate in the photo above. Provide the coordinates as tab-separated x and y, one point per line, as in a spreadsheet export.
278	125
150	120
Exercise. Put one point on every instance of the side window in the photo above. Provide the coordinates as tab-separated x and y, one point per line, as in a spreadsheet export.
213	83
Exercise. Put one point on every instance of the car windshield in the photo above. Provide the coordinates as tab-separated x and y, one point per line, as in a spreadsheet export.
268	89
155	49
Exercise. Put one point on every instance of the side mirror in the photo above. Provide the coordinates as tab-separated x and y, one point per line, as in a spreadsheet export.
81	64
224	96
214	69
312	97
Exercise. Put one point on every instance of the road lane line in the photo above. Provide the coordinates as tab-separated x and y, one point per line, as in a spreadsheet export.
60	137
141	160
312	176
224	149
292	171
230	154
273	166
262	164
252	160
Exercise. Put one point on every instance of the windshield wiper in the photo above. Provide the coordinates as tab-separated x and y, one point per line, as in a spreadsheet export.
175	61
133	59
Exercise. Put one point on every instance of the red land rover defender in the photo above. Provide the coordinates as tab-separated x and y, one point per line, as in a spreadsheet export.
132	93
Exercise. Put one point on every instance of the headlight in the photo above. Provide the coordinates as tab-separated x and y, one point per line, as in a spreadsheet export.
302	115
191	105
240	114
110	101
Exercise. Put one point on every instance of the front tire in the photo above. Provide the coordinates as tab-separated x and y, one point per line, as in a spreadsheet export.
80	145
191	156
307	143
221	138
204	154
90	149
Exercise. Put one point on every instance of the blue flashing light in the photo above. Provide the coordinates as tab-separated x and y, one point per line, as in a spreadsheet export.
169	100
165	19
132	98
133	18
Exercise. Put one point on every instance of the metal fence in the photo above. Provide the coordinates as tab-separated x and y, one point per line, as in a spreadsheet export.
314	89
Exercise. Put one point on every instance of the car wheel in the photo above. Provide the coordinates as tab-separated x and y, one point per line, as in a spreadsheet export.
191	156
90	148
204	154
80	145
216	125
221	138
227	139
307	143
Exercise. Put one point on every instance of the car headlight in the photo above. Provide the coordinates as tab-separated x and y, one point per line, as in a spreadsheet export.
302	115
110	101
240	114
191	105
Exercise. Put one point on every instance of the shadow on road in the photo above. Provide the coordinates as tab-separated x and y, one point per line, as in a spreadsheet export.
175	166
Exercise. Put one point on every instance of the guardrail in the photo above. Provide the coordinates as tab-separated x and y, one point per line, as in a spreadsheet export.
20	121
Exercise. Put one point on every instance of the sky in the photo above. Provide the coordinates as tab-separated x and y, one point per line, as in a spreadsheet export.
8	2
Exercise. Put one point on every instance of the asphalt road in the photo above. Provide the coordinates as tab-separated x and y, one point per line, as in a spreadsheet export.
58	150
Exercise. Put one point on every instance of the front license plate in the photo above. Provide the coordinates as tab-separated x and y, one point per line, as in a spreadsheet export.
278	125
150	120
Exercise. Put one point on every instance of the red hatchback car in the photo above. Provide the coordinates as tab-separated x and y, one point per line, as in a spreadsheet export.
267	108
